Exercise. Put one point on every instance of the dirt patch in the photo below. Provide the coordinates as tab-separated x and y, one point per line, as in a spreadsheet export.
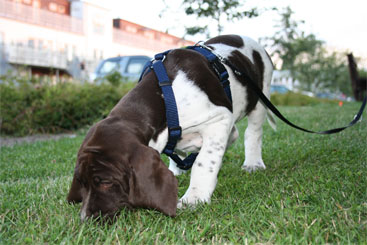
10	141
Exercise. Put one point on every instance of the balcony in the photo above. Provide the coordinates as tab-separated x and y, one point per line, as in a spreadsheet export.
28	56
30	15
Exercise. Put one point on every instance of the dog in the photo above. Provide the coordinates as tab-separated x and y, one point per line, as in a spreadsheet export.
119	165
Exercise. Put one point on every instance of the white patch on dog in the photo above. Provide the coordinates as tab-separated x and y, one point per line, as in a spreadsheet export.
83	212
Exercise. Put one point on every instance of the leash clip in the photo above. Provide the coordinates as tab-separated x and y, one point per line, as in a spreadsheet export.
161	58
220	57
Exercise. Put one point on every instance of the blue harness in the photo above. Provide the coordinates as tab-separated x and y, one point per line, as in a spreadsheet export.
173	124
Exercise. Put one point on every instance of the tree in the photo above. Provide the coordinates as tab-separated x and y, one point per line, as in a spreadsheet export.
323	71
306	58
289	41
219	10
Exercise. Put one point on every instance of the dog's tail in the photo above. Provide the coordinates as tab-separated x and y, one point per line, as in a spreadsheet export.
271	120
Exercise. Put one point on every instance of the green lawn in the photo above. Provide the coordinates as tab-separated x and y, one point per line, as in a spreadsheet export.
314	190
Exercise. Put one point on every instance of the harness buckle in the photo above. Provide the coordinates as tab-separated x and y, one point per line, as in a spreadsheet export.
220	57
225	83
175	132
160	56
165	83
224	75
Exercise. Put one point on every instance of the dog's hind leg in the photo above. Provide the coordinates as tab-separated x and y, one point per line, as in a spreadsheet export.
233	136
253	139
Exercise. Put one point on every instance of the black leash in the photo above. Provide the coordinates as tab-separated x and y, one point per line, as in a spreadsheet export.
266	102
216	61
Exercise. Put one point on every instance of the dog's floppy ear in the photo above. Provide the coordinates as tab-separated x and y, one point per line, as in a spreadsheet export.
75	195
152	185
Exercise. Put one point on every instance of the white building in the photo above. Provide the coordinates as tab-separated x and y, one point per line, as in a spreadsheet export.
59	35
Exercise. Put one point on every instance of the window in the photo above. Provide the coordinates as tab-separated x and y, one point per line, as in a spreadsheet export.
149	34
50	45
52	7
108	66
61	9
135	66
98	28
36	4
40	44
131	29
31	43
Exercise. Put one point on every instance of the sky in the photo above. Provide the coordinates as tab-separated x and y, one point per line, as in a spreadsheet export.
342	24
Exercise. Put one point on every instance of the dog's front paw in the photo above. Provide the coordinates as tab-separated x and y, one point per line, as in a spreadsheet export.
253	166
188	201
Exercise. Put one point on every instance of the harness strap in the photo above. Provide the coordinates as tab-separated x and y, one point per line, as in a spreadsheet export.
173	123
217	66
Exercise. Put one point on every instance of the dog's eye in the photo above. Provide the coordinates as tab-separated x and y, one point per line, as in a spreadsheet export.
104	184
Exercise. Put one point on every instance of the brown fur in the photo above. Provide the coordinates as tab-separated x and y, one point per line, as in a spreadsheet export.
230	40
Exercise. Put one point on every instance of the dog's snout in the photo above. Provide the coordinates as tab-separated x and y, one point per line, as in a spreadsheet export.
84	215
98	216
87	214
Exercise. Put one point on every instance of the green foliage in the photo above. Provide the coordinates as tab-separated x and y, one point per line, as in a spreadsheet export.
307	59
323	71
362	73
289	41
296	99
313	191
114	78
219	10
29	107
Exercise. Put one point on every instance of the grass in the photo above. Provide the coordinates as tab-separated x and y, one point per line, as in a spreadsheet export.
313	191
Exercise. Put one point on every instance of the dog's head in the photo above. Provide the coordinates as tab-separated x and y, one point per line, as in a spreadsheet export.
114	170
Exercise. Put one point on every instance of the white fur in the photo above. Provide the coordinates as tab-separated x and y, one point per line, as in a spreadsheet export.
83	212
209	129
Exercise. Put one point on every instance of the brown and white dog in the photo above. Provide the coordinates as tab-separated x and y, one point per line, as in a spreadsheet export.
119	162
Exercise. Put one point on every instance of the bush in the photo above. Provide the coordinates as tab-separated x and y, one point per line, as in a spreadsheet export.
29	107
296	99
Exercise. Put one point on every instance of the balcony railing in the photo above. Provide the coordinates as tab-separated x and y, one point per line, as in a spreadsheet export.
28	56
30	15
